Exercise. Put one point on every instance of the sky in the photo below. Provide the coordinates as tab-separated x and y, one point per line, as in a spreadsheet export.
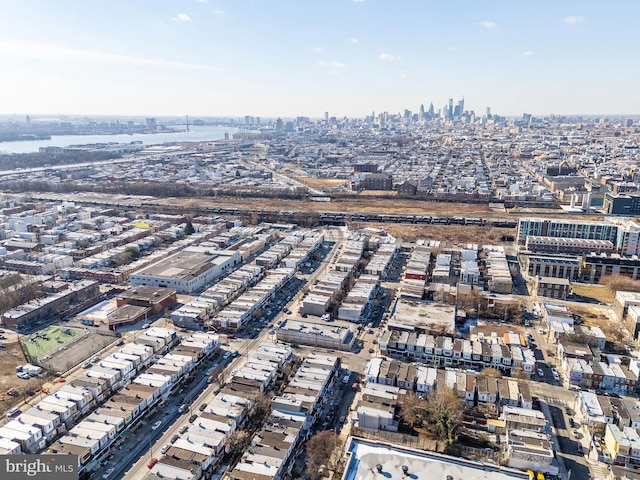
306	57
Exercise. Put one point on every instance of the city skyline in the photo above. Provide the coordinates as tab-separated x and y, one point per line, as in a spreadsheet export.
288	58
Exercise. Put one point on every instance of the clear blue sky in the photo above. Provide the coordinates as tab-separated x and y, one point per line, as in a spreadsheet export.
305	57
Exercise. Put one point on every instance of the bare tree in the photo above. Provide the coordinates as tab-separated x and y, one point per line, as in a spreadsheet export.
411	408
320	451
442	414
261	408
490	372
237	441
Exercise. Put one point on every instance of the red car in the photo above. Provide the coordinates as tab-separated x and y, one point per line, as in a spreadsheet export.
153	461
12	392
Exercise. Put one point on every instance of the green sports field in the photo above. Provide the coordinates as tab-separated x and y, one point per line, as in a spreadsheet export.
47	339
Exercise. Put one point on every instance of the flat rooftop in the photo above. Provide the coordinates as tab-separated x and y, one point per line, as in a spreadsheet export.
147	294
422	465
184	265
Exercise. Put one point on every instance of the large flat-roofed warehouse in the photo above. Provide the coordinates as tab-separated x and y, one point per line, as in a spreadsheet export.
316	334
371	459
187	271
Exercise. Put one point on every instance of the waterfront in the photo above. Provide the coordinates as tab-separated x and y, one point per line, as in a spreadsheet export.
196	133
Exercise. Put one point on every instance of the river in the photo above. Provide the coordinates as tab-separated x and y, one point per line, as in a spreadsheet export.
196	133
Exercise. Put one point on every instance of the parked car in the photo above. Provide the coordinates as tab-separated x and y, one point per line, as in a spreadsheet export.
153	461
183	408
192	418
183	429
107	473
86	365
226	355
202	407
13	412
165	447
540	373
24	376
156	425
174	438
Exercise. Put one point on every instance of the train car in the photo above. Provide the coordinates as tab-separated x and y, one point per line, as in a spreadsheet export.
473	221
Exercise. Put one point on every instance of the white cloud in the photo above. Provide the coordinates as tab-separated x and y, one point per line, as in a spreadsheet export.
316	50
527	53
354	40
334	72
182	17
218	12
359	1
452	48
486	24
333	65
572	20
202	1
59	52
389	58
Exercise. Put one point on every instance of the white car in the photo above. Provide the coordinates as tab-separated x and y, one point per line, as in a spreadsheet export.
227	355
540	373
156	425
165	447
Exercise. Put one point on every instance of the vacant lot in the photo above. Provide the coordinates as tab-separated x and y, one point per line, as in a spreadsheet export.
595	316
455	233
601	293
10	357
354	204
322	182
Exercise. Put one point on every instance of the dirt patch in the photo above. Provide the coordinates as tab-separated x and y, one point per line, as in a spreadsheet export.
376	193
459	234
600	293
10	357
355	204
592	316
322	182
